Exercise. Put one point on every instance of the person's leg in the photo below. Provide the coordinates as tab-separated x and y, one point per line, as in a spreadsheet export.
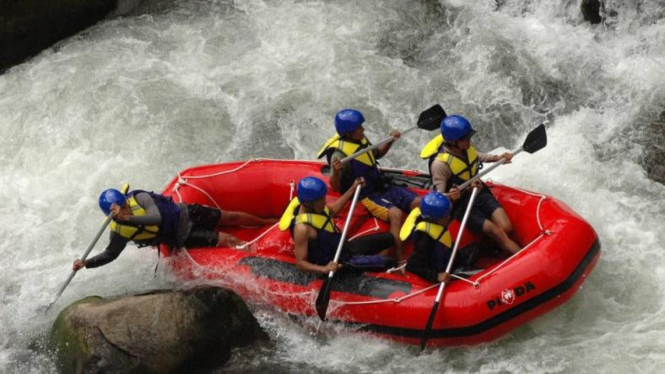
398	201
497	224
380	208
228	240
500	218
403	201
403	198
362	263
390	206
200	238
395	220
498	235
370	244
415	203
232	218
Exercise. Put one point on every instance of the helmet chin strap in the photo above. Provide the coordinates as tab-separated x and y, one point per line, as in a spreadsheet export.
308	205
453	144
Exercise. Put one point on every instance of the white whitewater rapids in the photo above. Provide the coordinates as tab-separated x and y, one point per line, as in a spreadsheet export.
139	98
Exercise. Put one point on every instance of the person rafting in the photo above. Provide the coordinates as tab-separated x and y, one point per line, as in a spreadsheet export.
453	160
316	236
386	202
147	219
432	243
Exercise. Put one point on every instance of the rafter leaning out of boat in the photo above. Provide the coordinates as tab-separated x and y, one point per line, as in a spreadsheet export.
149	219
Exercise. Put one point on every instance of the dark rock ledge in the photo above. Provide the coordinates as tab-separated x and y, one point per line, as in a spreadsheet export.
27	27
179	331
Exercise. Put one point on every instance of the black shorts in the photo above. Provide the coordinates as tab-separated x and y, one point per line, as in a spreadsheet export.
483	208
369	244
204	221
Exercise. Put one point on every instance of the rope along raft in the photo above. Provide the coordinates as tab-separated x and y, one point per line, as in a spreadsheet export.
185	181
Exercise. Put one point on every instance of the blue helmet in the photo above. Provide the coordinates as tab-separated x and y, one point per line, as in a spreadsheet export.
435	206
111	196
456	127
347	120
311	189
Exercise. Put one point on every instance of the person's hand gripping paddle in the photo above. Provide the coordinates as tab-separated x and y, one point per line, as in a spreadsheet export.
107	221
535	141
428	120
324	294
435	307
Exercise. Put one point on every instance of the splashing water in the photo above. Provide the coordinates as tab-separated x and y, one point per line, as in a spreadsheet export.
139	98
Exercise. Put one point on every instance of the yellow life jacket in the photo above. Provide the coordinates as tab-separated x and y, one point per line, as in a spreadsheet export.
349	148
461	170
409	224
432	148
135	232
318	221
436	232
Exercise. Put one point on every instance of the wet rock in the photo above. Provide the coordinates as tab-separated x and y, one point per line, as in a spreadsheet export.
181	331
27	27
138	7
654	146
591	11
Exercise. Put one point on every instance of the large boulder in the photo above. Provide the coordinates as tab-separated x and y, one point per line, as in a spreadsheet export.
184	331
27	27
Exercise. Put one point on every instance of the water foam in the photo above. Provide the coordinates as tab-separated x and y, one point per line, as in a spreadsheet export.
137	99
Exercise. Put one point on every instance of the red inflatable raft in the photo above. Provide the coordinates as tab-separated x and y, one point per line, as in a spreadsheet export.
560	250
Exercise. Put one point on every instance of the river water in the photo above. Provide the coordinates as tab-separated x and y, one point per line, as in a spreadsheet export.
139	98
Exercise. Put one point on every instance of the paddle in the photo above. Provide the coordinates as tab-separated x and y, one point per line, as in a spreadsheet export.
429	120
107	221
324	294
430	321
535	141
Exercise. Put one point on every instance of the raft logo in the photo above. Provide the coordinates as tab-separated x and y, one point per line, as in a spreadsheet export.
509	296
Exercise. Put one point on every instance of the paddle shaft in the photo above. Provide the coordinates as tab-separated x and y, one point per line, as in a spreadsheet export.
346	227
85	255
474	193
323	299
535	141
484	172
442	286
375	146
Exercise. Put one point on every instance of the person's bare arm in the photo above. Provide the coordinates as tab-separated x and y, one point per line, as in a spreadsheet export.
486	157
440	175
384	148
301	238
335	177
339	204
